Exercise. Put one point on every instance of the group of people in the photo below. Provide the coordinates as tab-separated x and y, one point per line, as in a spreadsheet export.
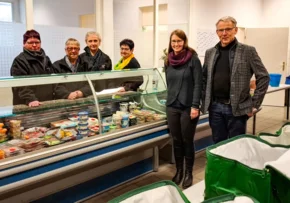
221	87
34	61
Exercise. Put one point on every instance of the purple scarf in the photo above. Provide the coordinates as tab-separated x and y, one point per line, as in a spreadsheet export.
179	59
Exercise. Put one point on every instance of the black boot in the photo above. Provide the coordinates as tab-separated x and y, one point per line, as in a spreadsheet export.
187	182
179	170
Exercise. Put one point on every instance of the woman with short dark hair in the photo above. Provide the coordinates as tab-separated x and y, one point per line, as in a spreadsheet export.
32	61
128	61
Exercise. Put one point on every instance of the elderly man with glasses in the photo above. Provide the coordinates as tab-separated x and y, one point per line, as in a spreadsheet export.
32	61
228	68
70	64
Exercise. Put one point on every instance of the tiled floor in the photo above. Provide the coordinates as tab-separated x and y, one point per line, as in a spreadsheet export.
269	119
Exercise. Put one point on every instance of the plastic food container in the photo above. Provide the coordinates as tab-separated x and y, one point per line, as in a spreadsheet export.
125	121
83	115
15	123
106	127
82	127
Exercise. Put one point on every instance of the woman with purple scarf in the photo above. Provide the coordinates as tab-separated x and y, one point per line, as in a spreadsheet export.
184	84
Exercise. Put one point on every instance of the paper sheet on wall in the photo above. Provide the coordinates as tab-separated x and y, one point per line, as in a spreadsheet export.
205	40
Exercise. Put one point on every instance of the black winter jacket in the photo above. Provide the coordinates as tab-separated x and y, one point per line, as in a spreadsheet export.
99	62
27	64
63	90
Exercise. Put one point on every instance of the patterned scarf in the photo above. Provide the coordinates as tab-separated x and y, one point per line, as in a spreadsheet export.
179	59
123	63
72	67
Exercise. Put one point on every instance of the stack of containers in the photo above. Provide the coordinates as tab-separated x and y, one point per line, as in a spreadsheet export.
15	128
83	129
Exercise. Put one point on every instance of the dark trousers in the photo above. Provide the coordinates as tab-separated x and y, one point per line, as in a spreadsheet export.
224	124
182	129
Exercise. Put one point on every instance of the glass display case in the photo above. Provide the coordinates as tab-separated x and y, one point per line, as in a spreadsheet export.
50	143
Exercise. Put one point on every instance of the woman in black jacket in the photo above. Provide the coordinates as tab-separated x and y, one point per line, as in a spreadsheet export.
97	60
184	84
32	61
128	61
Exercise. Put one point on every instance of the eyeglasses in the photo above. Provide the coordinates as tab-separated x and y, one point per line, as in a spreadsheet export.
125	49
73	48
34	42
227	30
176	41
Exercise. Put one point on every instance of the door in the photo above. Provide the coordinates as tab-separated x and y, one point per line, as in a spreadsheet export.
272	46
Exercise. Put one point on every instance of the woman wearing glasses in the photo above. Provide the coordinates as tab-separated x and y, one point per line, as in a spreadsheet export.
72	63
128	61
32	61
184	84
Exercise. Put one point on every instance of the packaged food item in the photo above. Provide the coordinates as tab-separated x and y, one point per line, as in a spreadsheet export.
132	106
108	119
35	132
15	123
140	116
125	121
158	117
93	131
113	127
63	124
3	135
148	115
50	140
116	120
82	127
93	121
11	150
16	142
124	107
73	118
106	127
132	120
2	154
83	115
32	144
83	132
66	134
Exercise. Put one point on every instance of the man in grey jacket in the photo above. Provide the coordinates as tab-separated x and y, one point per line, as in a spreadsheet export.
228	68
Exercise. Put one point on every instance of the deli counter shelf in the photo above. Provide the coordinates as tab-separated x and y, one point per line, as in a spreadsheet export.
133	150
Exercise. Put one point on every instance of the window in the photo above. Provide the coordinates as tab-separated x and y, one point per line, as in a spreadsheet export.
5	12
147	17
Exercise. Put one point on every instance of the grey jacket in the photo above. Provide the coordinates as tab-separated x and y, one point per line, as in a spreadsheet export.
244	62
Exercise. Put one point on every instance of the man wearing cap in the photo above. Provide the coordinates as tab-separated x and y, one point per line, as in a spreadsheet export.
32	61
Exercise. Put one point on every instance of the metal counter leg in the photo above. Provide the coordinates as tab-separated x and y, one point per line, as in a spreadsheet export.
288	91
155	159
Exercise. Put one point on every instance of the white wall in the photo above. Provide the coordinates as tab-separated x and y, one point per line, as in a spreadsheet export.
276	13
61	12
248	13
